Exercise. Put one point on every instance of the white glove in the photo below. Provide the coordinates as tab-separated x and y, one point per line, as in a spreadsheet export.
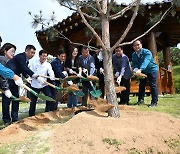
101	71
19	82
70	83
65	73
52	78
8	93
138	71
135	70
85	70
116	74
40	79
35	76
71	71
119	79
79	74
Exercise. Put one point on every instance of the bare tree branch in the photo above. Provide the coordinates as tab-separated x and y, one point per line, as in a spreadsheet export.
110	6
120	13
128	27
167	11
99	7
89	26
62	36
104	7
90	17
85	14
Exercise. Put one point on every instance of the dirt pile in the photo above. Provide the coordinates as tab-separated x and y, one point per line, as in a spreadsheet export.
135	131
95	132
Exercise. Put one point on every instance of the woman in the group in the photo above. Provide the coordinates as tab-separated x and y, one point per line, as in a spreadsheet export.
7	52
72	65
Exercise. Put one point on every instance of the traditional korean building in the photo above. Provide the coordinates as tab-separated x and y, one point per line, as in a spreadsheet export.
165	35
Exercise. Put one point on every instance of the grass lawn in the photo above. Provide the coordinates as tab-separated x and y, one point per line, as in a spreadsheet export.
167	104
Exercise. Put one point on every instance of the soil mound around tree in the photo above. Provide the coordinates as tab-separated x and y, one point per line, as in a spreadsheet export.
94	132
134	131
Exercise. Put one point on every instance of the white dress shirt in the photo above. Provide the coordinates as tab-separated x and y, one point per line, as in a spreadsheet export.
43	69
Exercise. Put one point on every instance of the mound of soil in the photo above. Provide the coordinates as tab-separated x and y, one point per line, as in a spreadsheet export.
95	132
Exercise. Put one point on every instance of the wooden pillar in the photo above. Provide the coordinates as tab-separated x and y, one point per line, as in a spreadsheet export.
153	48
168	66
166	57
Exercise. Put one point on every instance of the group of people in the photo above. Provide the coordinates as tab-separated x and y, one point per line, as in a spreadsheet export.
83	65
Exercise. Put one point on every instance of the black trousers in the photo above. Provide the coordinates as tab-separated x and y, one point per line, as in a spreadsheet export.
152	77
86	88
49	105
6	117
101	83
124	95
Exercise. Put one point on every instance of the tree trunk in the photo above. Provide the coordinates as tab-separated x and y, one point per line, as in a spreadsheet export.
108	70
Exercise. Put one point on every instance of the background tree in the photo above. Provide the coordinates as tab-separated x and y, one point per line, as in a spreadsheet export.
99	13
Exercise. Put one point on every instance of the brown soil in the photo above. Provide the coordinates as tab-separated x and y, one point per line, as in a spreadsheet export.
90	132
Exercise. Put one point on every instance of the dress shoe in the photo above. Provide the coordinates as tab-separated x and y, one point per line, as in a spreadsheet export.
153	104
140	102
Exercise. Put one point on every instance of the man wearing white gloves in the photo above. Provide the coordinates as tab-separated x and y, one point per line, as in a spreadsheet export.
41	68
123	73
142	61
59	72
86	62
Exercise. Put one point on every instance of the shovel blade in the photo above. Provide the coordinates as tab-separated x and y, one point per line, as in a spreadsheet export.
47	98
96	93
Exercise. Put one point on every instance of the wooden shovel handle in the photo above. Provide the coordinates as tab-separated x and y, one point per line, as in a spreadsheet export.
50	84
48	77
26	87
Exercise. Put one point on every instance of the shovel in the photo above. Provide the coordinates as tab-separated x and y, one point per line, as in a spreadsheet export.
20	99
75	90
41	96
94	92
55	87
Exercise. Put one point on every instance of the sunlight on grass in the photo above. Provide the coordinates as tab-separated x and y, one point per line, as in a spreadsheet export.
167	104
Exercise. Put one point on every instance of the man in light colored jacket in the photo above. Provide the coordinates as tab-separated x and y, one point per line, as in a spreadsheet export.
41	68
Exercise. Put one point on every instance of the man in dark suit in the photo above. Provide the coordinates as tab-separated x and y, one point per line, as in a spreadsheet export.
123	72
19	64
87	63
58	68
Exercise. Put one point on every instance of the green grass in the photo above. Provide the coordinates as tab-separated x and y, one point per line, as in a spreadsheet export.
167	104
114	142
33	144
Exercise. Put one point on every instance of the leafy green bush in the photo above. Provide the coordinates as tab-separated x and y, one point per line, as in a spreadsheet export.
176	73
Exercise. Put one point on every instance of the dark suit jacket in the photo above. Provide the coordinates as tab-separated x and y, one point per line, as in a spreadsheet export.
19	65
68	64
90	66
122	65
58	68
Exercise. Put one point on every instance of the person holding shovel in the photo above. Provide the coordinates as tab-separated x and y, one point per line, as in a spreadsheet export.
42	68
19	64
143	62
6	53
87	64
123	72
59	72
72	65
